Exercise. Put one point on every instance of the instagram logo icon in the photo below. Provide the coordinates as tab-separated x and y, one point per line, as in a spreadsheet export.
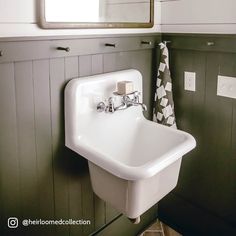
12	222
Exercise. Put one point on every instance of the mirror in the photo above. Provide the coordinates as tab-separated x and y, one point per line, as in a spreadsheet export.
96	14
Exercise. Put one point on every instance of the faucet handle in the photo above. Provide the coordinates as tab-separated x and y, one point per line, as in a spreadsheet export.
136	96
110	107
101	107
144	107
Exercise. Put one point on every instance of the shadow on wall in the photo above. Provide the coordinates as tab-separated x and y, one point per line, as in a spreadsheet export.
70	163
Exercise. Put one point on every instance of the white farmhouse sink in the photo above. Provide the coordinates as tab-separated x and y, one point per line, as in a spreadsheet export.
133	162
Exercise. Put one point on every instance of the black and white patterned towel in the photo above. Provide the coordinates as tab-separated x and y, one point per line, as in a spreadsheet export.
163	111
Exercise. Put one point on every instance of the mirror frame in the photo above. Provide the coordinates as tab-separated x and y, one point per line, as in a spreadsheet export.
91	25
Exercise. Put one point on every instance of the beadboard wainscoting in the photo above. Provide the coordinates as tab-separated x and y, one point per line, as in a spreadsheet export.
203	203
40	177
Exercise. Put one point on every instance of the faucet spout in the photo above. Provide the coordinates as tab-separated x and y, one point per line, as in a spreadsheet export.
144	107
127	101
122	106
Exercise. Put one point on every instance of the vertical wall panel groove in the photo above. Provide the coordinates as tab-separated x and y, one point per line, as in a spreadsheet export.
206	189
29	192
189	109
71	68
217	135
231	216
9	167
43	140
97	64
85	65
227	67
57	84
26	137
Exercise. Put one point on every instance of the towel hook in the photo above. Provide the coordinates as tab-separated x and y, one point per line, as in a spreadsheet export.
146	42
1	53
67	49
110	45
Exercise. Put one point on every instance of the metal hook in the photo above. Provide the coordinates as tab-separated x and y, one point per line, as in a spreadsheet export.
146	42
67	49
110	45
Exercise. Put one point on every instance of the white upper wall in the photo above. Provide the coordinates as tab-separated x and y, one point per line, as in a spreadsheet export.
18	19
18	11
199	16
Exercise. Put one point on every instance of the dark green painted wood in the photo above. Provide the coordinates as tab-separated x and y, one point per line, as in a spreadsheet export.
42	136
116	61
71	68
44	49
99	212
221	43
97	64
145	36
218	123
43	142
9	167
40	70
61	195
29	189
178	213
189	108
87	203
40	177
75	191
26	138
231	217
85	65
204	199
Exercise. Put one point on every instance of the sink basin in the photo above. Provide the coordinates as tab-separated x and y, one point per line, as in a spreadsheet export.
133	162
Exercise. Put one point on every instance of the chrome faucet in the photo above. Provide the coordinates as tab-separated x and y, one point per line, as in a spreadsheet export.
110	107
127	100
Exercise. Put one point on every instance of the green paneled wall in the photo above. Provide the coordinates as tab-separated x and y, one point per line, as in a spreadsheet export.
40	177
203	203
